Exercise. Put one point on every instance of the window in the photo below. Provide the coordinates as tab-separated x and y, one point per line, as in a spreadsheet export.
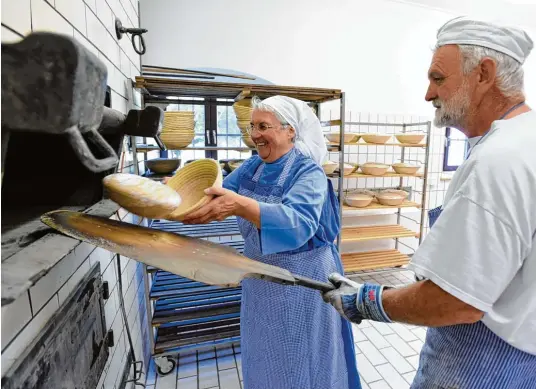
456	148
199	139
215	127
229	135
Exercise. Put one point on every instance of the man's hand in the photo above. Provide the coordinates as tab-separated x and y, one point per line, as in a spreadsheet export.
344	297
225	204
355	301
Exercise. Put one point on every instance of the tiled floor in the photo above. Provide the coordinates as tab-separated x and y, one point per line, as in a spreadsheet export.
387	354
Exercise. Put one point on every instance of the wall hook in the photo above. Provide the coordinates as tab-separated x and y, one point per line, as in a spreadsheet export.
135	32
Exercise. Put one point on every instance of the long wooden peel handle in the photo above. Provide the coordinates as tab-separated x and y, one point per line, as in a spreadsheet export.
313	284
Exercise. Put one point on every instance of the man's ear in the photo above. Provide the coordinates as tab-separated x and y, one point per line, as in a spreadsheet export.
487	75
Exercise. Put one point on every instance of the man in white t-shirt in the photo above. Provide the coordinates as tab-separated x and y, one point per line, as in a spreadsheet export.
478	261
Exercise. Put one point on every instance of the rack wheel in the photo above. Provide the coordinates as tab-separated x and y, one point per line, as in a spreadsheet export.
165	365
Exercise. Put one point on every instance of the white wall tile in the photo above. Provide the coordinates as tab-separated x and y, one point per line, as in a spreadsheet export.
111	49
91	4
74	11
79	37
134	319
9	37
96	32
110	309
45	18
115	366
14	317
17	15
104	257
71	284
123	213
16	348
125	64
47	286
83	250
130	295
131	12
134	71
126	45
119	12
134	4
110	275
119	102
105	15
131	272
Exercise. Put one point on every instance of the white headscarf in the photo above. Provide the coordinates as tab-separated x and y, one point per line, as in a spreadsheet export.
508	40
309	136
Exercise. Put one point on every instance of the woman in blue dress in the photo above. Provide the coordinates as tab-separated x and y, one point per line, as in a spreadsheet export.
287	212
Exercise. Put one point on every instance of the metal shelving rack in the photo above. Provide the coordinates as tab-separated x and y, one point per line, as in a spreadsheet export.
416	184
188	315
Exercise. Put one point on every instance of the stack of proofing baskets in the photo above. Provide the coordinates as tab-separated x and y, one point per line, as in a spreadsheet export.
178	129
243	113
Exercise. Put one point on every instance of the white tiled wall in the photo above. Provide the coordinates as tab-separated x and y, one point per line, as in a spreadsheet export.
92	22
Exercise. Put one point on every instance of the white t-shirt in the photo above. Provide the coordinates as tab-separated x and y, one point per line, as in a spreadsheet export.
482	249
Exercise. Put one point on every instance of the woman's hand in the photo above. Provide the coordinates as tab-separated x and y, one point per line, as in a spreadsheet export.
226	203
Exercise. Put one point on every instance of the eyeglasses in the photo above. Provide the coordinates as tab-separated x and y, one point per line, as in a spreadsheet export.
261	127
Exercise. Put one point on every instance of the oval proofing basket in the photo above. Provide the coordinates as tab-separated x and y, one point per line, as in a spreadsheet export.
190	183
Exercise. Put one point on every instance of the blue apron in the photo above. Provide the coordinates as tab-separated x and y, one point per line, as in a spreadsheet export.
291	339
471	356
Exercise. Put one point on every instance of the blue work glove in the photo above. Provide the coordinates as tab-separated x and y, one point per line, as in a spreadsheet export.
356	302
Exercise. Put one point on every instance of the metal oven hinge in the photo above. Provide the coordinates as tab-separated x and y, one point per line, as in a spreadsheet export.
105	290
110	338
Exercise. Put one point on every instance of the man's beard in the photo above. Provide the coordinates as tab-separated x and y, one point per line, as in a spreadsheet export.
452	112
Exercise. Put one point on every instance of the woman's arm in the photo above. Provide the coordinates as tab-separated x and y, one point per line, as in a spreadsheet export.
226	203
283	227
289	225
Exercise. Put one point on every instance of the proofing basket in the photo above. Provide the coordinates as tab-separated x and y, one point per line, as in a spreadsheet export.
178	129
190	183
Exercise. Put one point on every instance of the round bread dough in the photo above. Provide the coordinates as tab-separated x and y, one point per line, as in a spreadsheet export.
142	196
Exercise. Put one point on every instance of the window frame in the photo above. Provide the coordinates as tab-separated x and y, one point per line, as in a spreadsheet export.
211	123
448	140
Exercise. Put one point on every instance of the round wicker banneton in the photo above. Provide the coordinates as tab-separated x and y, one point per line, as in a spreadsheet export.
190	183
178	129
180	141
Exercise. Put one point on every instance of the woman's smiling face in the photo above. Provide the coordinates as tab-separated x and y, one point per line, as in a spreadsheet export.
272	139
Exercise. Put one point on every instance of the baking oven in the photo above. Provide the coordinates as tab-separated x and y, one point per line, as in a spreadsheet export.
60	138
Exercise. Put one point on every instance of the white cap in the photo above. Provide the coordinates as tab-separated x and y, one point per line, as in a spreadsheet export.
508	40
